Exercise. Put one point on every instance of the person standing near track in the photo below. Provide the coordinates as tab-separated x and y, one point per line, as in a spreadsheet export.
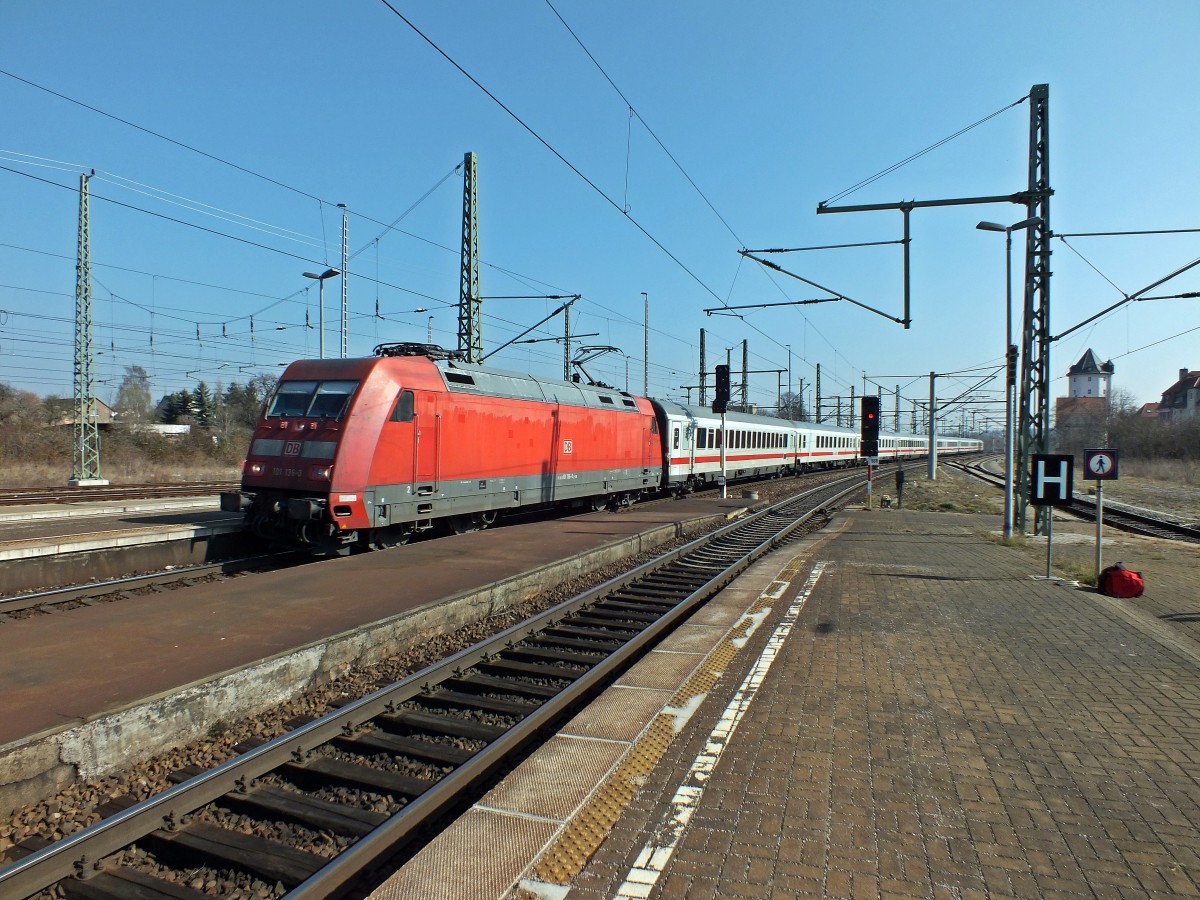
900	488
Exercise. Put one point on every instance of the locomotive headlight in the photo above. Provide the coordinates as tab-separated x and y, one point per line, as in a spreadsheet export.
255	468
320	473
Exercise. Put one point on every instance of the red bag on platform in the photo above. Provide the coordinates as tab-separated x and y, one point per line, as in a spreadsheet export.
1118	581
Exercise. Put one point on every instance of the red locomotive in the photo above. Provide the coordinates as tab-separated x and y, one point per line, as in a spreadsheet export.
368	452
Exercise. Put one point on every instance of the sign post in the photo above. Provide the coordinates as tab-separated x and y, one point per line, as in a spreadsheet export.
1051	484
1100	466
724	470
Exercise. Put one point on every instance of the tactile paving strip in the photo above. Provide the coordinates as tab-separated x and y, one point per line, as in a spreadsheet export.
582	836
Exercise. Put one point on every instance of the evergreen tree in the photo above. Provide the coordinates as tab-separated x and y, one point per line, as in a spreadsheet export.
203	407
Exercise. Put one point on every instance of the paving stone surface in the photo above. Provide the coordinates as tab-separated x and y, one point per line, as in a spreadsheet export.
941	724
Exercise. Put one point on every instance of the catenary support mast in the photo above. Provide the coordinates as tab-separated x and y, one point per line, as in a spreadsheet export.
1034	424
470	306
85	467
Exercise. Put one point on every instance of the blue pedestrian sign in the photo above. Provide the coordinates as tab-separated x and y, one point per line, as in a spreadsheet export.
1050	479
1100	465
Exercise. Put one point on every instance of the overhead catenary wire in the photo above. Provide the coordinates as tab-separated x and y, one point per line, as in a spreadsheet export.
160	136
545	143
212	231
633	112
904	162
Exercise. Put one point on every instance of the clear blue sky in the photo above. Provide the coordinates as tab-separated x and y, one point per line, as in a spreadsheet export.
769	108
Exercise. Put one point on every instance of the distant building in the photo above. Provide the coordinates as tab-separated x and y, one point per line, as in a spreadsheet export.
1081	418
1182	399
1148	411
164	430
1090	378
62	412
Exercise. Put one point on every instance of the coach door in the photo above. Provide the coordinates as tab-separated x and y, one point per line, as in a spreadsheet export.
427	444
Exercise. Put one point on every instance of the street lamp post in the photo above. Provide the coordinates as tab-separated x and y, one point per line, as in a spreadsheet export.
320	279
1009	363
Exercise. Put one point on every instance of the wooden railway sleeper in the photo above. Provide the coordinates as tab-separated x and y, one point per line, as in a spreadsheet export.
411	748
122	883
311	812
361	776
411	721
511	685
531	670
550	640
634	605
481	704
548	655
613	618
205	843
606	635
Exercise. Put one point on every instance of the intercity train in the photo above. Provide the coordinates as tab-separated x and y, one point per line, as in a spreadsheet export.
364	453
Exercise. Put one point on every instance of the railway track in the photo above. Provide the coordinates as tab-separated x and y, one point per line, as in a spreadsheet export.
1115	516
31	495
312	810
116	588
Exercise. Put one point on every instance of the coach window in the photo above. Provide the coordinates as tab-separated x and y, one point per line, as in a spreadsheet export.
404	407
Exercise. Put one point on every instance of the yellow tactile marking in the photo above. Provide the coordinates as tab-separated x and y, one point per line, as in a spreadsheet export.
584	834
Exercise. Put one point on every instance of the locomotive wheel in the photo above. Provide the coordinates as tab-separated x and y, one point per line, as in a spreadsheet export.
598	502
386	538
463	524
487	519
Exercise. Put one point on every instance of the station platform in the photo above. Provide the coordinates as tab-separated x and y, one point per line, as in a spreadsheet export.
54	529
900	707
85	509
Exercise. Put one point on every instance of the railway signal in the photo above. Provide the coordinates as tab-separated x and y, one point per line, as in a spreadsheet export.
869	427
721	392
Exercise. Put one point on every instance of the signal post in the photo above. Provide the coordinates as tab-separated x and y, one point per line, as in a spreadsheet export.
868	437
721	405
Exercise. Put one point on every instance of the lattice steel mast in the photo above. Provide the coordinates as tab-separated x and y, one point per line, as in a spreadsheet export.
470	307
85	467
345	340
1034	424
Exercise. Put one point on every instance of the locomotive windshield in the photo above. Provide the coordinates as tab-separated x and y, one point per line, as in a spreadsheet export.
311	399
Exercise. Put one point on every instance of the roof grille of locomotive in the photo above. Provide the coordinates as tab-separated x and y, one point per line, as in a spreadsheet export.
432	351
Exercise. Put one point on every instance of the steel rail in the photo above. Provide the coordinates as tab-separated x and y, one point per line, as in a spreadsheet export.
93	589
1114	514
83	854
